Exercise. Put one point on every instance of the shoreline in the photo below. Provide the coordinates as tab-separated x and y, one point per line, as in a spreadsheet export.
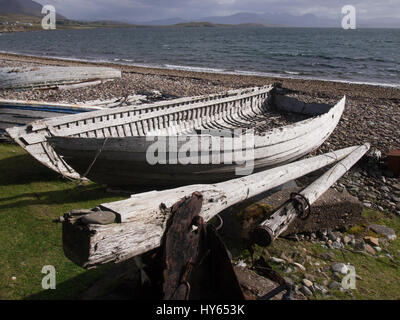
181	68
234	78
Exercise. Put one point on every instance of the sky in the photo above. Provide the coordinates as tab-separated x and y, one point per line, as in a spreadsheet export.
147	10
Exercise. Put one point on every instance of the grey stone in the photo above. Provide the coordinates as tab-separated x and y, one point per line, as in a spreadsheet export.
359	245
367	204
331	236
277	260
306	291
385	189
289	282
369	249
346	240
300	266
334	285
396	199
389	233
340	268
307	283
336	245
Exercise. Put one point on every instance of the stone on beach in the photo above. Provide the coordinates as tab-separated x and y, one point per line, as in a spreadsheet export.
340	268
389	233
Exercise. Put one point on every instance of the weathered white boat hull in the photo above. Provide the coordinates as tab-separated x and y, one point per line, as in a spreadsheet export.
33	137
122	162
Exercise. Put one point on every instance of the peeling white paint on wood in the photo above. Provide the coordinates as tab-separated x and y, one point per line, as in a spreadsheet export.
241	108
33	137
143	217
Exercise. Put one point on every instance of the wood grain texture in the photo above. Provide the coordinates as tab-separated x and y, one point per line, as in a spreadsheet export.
44	77
33	137
123	160
280	220
143	217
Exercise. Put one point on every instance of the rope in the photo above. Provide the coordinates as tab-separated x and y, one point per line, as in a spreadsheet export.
95	158
301	204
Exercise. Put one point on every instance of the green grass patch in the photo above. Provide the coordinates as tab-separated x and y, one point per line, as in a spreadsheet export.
31	198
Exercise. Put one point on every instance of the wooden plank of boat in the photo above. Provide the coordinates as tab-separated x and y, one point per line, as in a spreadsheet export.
279	221
33	137
20	113
44	77
123	163
138	223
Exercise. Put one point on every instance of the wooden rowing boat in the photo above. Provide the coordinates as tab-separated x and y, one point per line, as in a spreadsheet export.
47	77
113	149
33	137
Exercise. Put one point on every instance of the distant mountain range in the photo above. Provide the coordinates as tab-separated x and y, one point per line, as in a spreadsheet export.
280	19
34	9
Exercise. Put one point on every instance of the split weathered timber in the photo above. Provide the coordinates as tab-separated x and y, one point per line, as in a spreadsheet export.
115	121
115	152
47	77
279	221
140	221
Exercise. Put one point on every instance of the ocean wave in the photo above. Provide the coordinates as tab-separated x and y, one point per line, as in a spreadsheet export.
292	72
191	68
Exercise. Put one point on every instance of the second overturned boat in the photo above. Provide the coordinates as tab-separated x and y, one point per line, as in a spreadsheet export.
53	76
113	148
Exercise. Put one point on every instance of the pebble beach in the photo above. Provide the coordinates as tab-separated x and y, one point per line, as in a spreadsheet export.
372	113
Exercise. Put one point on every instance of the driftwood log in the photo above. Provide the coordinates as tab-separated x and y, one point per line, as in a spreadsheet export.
138	224
279	221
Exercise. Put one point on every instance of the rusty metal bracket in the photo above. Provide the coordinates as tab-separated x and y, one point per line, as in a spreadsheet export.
196	262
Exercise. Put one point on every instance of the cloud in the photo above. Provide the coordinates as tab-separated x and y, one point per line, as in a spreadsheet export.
145	10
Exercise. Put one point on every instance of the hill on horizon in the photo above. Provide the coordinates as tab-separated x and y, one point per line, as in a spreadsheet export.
23	7
279	19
